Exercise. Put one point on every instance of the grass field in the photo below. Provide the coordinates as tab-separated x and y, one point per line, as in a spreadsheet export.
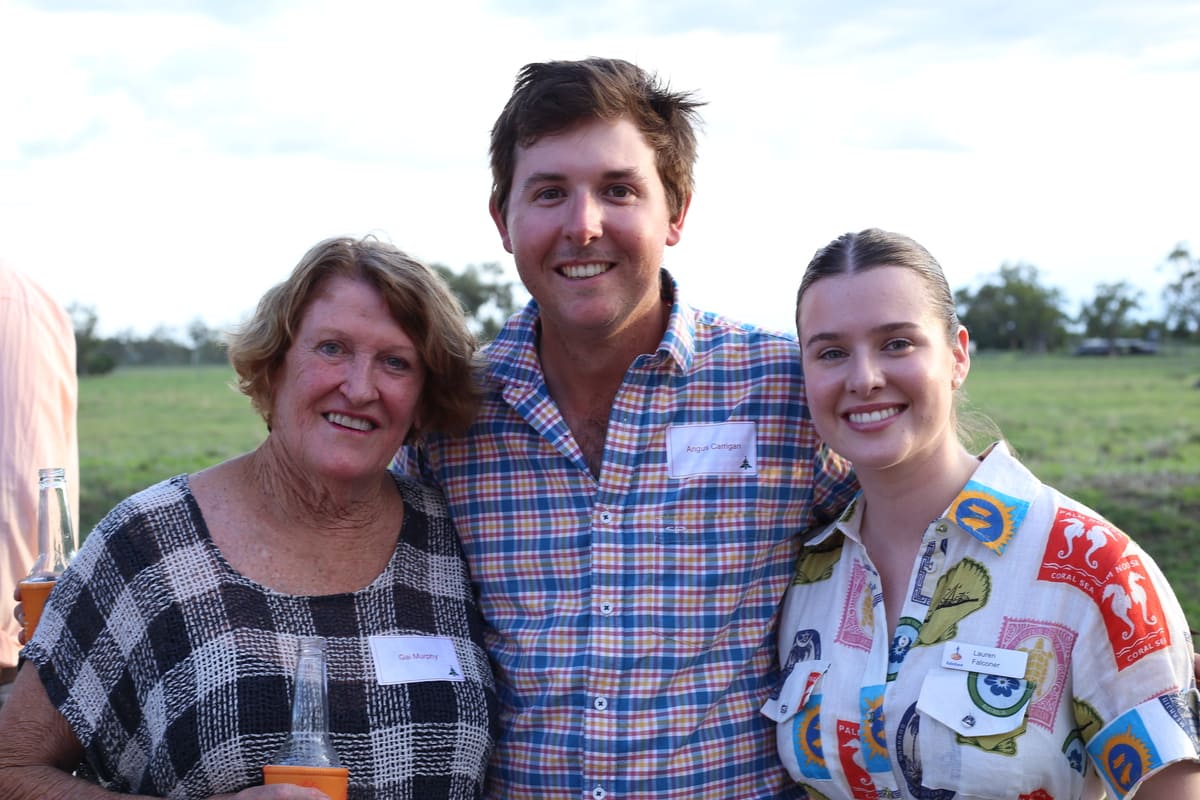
1120	434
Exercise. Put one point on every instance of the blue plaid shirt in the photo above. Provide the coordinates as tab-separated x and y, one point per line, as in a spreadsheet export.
631	618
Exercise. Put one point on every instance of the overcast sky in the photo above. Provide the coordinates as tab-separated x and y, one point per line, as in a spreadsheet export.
168	160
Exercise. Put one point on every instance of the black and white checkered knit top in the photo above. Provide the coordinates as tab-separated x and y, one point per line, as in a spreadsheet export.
175	672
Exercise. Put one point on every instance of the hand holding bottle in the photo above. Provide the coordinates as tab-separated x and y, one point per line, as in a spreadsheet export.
281	791
19	614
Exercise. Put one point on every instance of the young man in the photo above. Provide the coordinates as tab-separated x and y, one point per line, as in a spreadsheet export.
633	493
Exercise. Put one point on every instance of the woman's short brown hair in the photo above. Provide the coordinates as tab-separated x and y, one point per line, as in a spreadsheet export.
420	302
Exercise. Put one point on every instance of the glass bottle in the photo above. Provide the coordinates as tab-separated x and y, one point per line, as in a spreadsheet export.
56	545
307	758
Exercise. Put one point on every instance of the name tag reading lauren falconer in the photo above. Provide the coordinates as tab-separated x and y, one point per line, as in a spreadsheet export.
412	659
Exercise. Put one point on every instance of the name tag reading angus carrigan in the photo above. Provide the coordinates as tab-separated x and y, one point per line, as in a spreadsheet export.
727	448
413	659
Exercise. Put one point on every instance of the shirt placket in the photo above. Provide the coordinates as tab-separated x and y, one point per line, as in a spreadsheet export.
612	636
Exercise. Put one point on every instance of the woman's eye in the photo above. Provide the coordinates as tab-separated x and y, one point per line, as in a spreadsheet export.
329	348
396	363
829	354
898	345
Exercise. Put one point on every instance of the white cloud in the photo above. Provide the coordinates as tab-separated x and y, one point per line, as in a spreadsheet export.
163	165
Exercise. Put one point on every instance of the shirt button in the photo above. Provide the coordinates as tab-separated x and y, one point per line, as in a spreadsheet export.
606	516
941	528
600	703
598	793
606	608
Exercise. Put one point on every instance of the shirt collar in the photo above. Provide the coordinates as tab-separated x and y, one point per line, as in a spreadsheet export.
513	359
990	508
993	504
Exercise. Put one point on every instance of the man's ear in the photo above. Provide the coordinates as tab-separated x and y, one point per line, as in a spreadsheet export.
675	229
501	224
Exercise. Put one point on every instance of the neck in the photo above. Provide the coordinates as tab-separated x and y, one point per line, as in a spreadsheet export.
586	368
299	501
912	496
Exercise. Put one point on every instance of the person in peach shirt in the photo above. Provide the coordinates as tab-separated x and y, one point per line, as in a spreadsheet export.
38	400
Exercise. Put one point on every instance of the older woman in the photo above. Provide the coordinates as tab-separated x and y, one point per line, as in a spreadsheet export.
963	630
164	658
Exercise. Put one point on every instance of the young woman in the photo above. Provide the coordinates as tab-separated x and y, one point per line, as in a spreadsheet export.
963	631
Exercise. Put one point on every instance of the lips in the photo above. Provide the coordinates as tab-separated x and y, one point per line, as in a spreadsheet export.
873	416
588	270
353	423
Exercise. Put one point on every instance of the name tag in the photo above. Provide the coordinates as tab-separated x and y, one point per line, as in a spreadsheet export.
991	660
413	659
729	448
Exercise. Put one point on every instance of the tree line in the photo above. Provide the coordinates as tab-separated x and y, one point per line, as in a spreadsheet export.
1011	309
485	296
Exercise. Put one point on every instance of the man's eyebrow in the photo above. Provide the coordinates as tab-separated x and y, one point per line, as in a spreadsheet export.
622	173
542	177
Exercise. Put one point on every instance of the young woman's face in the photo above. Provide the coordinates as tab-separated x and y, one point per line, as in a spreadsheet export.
879	368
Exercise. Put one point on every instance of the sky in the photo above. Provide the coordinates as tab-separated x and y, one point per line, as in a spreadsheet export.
163	161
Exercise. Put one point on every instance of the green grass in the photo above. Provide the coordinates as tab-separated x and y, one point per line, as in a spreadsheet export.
139	426
1119	434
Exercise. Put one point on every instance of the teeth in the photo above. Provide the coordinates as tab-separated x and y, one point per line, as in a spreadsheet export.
349	422
585	270
873	416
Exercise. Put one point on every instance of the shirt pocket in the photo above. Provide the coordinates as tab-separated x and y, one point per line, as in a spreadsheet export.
713	578
971	723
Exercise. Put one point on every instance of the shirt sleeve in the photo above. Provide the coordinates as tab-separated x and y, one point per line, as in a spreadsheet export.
1135	700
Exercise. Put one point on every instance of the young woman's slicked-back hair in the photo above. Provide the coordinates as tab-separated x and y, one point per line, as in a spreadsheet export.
859	252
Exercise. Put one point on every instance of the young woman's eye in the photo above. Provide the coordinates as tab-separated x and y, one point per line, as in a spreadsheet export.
830	354
898	345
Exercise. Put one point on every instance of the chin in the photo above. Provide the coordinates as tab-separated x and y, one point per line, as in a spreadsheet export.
348	473
872	458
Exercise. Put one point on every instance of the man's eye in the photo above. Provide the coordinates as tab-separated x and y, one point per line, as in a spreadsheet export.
549	194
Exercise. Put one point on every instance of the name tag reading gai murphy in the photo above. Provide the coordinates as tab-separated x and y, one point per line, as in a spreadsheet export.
727	448
414	659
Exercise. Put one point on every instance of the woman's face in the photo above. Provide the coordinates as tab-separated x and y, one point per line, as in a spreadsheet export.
348	390
879	370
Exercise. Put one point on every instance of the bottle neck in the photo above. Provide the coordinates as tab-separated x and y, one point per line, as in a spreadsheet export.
309	743
56	534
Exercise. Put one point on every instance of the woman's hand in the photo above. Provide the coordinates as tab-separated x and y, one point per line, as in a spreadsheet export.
19	613
278	791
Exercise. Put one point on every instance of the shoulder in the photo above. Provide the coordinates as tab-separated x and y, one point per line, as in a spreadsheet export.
142	522
719	336
420	495
164	498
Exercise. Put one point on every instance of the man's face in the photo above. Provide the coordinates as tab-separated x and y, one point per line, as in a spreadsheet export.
587	223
